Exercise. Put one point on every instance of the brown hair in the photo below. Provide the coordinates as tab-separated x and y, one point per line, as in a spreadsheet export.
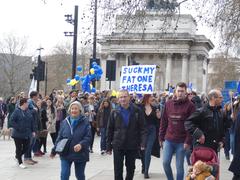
23	101
146	98
182	85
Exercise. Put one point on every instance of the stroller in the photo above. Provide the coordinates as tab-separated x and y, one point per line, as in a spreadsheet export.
207	155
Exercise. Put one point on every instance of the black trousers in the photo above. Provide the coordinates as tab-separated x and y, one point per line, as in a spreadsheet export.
93	130
118	158
54	137
21	147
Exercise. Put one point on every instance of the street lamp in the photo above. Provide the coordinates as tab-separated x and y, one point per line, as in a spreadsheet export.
74	22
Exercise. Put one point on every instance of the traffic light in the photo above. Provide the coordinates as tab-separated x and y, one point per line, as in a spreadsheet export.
111	70
41	71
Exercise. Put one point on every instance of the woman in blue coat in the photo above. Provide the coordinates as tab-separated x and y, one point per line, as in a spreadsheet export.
22	123
76	128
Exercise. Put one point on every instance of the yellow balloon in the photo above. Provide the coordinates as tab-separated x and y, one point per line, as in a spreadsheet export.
71	83
114	93
74	82
91	71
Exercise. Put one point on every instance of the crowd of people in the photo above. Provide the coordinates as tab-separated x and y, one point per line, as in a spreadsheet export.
130	126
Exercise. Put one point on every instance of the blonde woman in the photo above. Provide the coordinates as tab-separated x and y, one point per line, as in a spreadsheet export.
78	130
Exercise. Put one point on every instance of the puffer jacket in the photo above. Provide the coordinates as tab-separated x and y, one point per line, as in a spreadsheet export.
79	134
130	137
22	123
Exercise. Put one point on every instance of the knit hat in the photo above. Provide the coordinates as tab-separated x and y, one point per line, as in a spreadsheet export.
78	104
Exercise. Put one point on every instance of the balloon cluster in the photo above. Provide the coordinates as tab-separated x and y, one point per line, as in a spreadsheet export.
95	74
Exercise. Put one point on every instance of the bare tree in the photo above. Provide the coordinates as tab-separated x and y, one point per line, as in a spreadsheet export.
222	16
15	68
223	69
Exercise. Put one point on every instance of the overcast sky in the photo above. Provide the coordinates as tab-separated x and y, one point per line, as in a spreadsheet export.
44	24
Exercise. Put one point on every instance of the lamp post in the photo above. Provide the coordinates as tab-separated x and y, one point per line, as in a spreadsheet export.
74	22
39	63
95	37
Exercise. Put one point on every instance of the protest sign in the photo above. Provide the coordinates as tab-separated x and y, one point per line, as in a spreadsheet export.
138	79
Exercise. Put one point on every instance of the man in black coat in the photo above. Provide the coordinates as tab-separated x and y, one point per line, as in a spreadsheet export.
235	164
207	125
126	135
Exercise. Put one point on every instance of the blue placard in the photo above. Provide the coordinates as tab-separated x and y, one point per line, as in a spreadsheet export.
231	85
226	96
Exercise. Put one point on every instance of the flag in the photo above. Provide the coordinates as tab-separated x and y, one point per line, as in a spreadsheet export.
33	86
190	86
238	88
170	90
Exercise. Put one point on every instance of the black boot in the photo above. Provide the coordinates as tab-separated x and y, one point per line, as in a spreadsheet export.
146	176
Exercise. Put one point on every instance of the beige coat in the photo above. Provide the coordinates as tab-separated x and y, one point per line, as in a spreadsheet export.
51	123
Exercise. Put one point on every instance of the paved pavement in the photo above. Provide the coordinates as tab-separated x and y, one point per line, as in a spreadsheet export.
99	168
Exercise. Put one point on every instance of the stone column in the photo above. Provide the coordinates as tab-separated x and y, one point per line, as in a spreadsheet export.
194	71
103	78
168	70
205	72
127	57
185	68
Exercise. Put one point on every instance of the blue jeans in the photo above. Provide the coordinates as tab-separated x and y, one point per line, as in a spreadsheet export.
232	141
229	142
28	153
169	148
66	169
103	139
151	136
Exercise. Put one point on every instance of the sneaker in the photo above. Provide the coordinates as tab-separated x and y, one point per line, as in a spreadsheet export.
22	166
35	162
103	152
29	162
231	157
38	154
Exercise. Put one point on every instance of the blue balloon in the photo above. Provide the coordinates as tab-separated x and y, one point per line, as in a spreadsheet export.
68	80
93	90
94	64
82	78
92	76
77	77
79	68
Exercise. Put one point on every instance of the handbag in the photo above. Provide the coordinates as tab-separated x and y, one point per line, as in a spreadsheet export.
62	146
42	134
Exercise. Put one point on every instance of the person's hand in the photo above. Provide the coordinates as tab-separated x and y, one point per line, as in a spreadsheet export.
186	146
161	143
77	147
158	113
201	140
33	134
98	129
220	145
142	148
109	152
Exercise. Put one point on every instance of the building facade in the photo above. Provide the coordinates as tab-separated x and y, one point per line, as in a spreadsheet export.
170	42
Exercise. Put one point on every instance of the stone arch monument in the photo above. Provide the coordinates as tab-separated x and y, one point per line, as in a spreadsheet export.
170	42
